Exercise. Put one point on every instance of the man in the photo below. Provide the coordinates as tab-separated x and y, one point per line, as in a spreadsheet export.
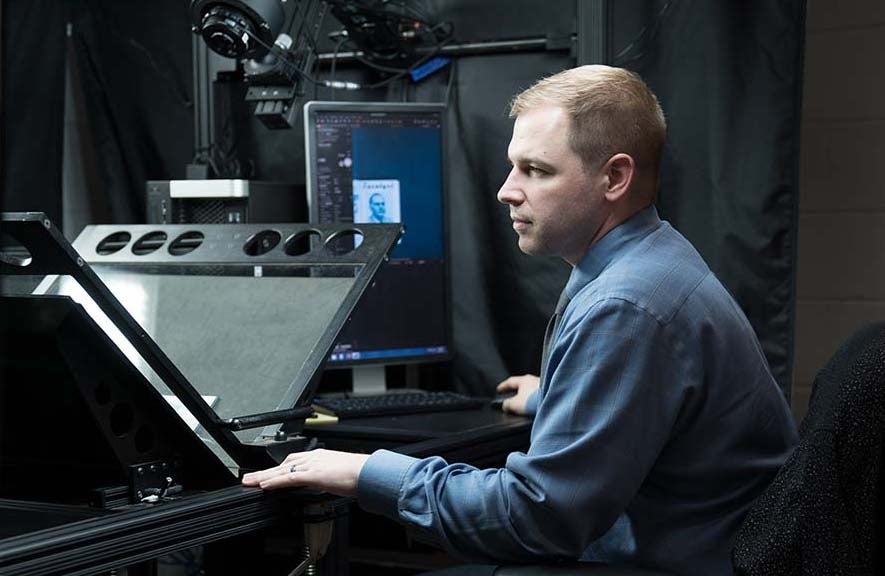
657	421
377	208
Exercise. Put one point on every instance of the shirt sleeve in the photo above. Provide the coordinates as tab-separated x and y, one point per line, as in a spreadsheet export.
531	404
606	408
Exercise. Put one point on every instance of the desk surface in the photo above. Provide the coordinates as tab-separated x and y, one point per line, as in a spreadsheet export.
481	437
478	436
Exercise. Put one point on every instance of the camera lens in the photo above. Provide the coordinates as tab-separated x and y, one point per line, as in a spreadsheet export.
238	28
227	32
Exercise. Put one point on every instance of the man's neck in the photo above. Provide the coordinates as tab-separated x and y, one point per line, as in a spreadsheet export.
617	217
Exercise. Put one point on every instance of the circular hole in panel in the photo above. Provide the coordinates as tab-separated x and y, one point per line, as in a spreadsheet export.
187	242
121	419
302	242
262	242
344	241
13	252
144	439
113	243
102	393
148	243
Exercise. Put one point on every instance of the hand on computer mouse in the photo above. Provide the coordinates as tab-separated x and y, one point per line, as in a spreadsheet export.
521	388
498	401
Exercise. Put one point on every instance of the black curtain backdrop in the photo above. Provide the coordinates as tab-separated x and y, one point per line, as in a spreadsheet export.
33	105
134	67
131	65
728	75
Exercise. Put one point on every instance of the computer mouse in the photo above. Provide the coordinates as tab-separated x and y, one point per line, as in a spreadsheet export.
498	400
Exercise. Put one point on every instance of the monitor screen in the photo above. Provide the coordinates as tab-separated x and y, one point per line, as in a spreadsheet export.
382	162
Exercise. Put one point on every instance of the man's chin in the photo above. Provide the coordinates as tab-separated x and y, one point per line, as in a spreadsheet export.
527	246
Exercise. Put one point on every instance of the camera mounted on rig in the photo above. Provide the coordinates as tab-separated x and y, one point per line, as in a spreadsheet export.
276	43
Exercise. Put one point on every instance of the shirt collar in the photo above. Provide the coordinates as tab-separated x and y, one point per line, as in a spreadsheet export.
607	248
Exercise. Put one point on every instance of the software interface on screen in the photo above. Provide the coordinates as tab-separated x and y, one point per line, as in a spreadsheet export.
386	166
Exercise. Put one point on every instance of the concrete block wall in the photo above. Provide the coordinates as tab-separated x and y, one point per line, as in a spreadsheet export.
841	250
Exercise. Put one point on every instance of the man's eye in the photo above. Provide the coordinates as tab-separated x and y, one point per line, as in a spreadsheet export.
535	171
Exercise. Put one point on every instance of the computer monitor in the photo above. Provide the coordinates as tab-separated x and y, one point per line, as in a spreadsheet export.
383	162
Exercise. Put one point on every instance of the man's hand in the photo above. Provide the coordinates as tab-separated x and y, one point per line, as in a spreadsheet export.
328	470
524	386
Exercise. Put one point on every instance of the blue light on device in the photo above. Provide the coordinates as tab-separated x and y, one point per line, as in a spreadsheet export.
420	72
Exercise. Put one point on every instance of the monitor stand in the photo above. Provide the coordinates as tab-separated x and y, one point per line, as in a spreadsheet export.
369	380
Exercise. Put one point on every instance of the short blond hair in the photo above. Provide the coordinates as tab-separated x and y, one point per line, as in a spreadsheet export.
611	110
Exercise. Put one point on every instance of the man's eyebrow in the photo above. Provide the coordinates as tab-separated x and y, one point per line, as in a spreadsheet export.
530	161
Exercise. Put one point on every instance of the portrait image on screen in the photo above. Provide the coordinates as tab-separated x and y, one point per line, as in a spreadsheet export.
383	163
376	201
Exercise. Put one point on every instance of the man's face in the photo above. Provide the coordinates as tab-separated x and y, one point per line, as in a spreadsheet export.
376	205
555	204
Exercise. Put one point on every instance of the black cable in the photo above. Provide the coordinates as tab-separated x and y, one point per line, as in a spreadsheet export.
281	55
379	67
451	81
391	17
334	61
399	72
292	13
417	63
303	20
305	44
410	9
322	7
310	39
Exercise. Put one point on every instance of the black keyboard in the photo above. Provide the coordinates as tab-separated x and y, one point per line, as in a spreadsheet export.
395	403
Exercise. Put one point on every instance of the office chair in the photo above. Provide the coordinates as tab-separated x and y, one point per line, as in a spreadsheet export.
823	513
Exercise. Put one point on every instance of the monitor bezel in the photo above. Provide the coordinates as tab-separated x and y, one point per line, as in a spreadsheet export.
310	157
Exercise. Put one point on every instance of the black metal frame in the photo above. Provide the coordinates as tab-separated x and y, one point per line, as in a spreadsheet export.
51	254
97	545
593	44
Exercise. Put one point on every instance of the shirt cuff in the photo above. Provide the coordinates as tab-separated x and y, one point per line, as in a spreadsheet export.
379	483
531	403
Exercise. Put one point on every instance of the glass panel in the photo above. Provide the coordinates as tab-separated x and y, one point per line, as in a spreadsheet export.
240	334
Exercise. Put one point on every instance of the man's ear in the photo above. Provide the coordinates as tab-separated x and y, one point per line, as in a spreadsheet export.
620	171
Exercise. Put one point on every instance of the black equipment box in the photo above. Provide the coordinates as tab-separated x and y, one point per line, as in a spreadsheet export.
220	201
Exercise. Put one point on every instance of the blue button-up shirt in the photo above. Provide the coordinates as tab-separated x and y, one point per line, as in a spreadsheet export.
657	425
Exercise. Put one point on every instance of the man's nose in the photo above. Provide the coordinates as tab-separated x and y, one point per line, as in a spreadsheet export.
510	193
